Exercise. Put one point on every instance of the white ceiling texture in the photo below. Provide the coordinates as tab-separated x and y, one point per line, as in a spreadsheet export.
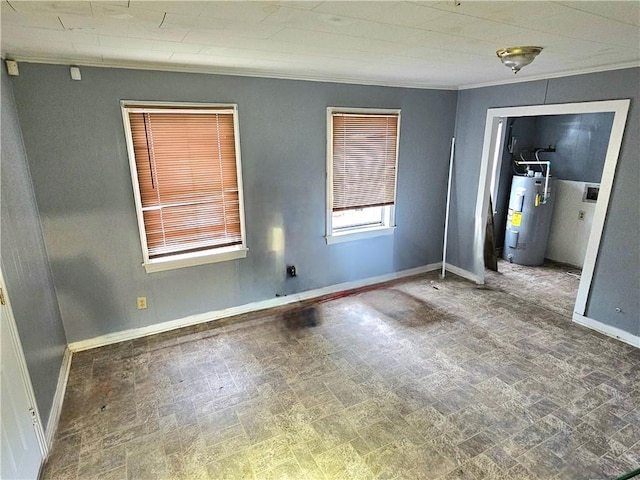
419	44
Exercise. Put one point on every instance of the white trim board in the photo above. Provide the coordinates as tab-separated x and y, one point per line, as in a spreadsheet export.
620	109
133	333
235	72
608	330
58	398
547	76
240	72
461	272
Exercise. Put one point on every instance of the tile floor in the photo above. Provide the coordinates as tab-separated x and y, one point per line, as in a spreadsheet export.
419	379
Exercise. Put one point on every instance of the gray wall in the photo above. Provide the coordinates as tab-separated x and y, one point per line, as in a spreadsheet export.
25	265
616	280
581	143
75	143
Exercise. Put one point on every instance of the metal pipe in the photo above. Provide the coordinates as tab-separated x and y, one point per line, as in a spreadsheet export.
628	475
446	217
546	182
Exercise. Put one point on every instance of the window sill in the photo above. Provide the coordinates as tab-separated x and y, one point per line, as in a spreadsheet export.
194	259
359	234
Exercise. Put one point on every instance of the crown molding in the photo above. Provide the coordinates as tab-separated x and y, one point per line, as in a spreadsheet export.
181	68
546	76
212	70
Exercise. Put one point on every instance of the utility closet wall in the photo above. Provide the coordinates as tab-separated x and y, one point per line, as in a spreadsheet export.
580	141
75	141
571	224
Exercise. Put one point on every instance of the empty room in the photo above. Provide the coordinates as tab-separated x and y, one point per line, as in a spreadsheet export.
320	240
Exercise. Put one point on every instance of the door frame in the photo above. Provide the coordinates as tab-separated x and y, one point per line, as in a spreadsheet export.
24	372
620	109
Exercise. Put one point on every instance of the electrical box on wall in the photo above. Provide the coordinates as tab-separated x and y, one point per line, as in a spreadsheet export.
591	192
75	73
12	68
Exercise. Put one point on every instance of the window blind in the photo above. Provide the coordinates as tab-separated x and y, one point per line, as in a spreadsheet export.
364	160
187	175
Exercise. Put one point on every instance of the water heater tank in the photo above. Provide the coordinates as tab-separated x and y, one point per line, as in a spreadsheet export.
528	220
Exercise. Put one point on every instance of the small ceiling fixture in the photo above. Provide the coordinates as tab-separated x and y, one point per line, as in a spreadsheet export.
517	57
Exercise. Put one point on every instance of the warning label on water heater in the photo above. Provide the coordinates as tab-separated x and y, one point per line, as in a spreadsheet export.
516	220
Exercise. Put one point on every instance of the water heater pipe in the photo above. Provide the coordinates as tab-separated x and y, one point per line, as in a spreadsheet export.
545	195
446	217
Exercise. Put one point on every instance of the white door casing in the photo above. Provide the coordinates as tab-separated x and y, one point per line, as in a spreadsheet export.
22	444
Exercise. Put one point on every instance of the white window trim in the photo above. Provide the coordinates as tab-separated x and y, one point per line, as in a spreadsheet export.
182	260
193	259
356	233
359	234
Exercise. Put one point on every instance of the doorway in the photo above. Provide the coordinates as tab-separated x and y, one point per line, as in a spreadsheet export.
22	442
491	151
575	147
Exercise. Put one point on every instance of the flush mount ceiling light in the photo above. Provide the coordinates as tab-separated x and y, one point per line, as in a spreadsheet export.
517	57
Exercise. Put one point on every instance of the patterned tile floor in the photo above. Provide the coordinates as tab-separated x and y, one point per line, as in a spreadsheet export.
554	285
419	379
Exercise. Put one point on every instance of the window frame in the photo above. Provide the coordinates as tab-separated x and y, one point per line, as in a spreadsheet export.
181	260
388	226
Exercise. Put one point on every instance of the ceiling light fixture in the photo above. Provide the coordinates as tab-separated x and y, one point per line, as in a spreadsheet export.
517	57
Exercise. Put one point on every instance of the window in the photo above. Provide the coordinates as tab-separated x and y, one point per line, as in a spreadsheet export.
185	166
362	158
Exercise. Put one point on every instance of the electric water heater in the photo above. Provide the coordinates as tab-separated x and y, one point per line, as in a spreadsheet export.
529	219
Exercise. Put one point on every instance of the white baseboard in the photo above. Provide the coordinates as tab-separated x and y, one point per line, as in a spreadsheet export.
462	273
608	330
58	398
133	333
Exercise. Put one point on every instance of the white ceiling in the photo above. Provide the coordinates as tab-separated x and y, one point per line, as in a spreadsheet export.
419	44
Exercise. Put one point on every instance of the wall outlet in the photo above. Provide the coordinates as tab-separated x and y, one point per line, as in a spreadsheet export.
581	215
142	303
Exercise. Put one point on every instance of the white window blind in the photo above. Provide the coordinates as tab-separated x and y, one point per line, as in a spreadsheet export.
364	160
187	173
